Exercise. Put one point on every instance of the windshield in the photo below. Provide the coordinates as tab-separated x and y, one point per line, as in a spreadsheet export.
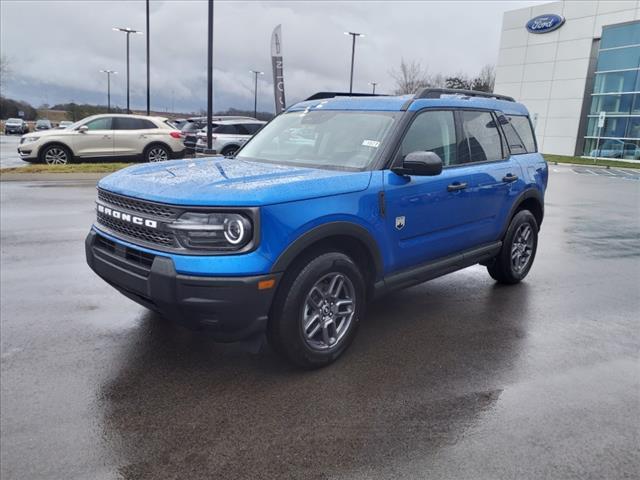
14	120
343	140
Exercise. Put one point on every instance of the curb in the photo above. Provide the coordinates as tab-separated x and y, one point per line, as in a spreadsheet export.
606	167
51	177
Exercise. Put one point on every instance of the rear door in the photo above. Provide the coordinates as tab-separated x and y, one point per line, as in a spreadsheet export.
132	135
97	141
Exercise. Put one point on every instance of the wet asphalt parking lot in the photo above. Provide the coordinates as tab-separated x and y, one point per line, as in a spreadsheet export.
9	152
456	378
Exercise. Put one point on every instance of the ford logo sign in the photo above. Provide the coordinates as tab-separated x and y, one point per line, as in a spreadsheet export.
545	23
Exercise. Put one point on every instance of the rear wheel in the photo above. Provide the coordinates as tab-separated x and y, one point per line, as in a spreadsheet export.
156	153
518	250
317	310
56	155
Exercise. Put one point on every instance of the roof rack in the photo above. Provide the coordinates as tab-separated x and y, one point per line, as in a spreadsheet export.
438	92
321	95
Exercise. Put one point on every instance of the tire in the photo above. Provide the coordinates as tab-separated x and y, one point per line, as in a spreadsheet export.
518	250
56	155
229	151
304	295
156	153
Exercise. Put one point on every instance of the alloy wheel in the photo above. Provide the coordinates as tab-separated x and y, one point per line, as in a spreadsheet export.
157	154
328	311
522	248
56	156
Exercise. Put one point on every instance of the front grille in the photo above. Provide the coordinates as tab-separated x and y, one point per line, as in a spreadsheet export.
145	234
140	206
133	255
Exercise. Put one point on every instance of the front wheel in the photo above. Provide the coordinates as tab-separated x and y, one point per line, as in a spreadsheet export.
317	310
56	155
518	250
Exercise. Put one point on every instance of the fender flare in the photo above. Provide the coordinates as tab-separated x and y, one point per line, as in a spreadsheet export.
327	230
527	194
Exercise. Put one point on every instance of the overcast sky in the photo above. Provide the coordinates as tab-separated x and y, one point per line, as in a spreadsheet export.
56	48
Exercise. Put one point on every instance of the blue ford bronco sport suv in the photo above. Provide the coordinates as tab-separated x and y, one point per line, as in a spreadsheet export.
334	202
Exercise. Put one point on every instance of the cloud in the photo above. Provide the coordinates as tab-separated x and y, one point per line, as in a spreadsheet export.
59	58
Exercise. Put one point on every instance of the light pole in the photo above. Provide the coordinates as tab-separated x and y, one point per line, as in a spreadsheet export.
128	31
209	75
148	64
255	91
353	54
373	84
109	73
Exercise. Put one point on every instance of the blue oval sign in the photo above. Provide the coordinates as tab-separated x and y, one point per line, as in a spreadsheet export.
545	23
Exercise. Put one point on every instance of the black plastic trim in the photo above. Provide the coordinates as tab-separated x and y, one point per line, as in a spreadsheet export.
527	194
325	231
437	268
229	308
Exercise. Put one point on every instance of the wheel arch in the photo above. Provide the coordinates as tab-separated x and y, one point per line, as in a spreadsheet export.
348	237
230	145
59	143
153	144
531	200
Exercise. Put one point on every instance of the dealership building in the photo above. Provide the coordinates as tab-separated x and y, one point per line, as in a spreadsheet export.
576	66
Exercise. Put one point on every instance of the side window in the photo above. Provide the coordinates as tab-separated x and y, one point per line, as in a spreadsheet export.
252	128
432	131
127	123
522	126
481	140
242	130
103	123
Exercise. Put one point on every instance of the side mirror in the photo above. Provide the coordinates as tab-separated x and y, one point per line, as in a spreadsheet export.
83	129
420	163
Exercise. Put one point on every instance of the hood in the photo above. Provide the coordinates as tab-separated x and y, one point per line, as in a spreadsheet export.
230	182
42	133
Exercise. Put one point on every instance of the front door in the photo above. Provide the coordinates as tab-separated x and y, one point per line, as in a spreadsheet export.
432	217
97	141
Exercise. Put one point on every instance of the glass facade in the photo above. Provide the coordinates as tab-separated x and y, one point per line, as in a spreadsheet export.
616	91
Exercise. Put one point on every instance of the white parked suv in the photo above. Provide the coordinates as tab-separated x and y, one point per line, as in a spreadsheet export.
105	136
228	135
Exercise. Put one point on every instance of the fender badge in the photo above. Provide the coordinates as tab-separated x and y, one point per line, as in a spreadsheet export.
400	223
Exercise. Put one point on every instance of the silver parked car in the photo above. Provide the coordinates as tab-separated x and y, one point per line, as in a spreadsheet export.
229	135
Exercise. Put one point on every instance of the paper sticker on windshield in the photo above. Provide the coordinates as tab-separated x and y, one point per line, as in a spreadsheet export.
370	143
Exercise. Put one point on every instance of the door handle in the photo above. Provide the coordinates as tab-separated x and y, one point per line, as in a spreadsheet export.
456	186
509	177
106	136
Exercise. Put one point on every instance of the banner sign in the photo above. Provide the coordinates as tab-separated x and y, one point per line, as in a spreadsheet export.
276	64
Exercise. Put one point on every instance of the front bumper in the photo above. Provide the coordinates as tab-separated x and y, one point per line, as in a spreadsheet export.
230	308
28	152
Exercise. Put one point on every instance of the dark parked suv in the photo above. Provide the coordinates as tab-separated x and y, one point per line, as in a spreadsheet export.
334	202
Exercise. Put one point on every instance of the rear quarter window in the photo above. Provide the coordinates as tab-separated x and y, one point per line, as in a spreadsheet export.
519	133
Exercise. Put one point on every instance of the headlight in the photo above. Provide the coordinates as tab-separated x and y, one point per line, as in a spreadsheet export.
213	231
30	139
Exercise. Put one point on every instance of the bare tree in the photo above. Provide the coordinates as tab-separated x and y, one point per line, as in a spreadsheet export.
5	70
485	80
410	77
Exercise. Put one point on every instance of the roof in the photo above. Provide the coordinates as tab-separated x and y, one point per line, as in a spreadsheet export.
238	121
410	103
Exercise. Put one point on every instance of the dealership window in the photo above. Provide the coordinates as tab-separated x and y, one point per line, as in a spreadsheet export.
616	92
